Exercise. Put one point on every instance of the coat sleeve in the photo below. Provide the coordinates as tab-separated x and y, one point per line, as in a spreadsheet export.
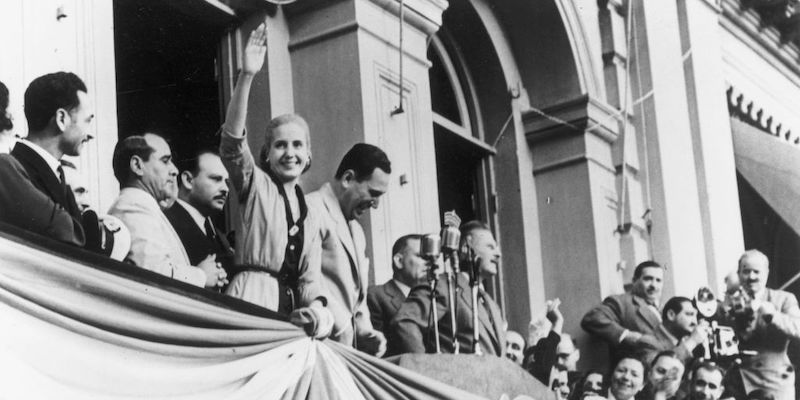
238	161
309	283
375	309
787	319
25	206
604	320
152	252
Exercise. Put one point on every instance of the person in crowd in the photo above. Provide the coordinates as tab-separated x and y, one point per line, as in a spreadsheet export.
77	183
7	138
592	383
680	332
706	382
409	270
771	321
627	322
732	282
202	193
627	378
411	325
543	357
143	166
559	382
277	234
360	180
35	195
515	347
664	377
567	354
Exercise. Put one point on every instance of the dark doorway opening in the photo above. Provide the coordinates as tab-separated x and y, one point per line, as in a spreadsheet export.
167	72
457	169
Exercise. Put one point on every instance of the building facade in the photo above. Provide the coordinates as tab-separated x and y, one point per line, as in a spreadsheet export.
591	135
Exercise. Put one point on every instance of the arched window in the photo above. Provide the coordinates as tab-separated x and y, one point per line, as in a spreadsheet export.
462	162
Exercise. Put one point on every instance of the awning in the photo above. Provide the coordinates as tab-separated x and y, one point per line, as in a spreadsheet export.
771	166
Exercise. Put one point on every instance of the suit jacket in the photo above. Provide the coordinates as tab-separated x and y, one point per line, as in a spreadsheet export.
26	206
154	243
345	267
771	369
413	333
383	302
43	178
198	246
614	315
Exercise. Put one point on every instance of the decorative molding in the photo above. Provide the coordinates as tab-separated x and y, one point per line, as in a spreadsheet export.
748	112
584	114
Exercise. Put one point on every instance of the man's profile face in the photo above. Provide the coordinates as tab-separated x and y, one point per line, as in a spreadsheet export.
412	265
706	385
667	368
159	173
686	319
486	251
208	187
361	196
649	284
753	273
77	126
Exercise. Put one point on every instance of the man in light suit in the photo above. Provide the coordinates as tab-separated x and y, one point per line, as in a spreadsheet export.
59	114
409	270
627	322
411	326
202	193
775	321
143	166
360	180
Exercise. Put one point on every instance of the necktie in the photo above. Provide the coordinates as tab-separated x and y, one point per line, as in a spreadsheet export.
210	233
63	180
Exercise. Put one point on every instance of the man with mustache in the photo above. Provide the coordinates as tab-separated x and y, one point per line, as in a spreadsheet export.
202	193
680	332
361	179
627	322
143	166
775	319
35	193
706	382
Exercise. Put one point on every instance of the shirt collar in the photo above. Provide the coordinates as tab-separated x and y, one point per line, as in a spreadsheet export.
48	158
403	287
198	218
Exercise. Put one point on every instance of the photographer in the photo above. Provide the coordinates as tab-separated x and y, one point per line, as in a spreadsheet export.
769	319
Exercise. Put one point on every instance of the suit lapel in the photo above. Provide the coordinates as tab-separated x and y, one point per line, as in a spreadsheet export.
487	328
644	311
342	229
41	174
395	295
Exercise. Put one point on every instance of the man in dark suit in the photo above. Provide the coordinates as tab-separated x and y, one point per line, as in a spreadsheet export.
59	114
411	328
627	322
202	193
409	271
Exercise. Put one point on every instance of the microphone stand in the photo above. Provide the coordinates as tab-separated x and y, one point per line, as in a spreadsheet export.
451	297
476	345
434	309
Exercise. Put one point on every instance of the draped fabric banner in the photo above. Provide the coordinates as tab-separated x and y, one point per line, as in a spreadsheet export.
72	330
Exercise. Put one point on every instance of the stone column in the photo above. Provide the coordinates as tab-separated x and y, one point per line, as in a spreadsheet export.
711	136
666	147
577	204
346	78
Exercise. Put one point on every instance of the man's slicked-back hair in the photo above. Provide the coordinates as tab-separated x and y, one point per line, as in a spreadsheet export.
637	273
47	93
192	163
5	120
123	152
675	305
269	135
362	159
471	226
401	243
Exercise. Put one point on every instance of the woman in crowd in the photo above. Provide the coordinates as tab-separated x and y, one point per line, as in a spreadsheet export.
592	383
278	242
627	379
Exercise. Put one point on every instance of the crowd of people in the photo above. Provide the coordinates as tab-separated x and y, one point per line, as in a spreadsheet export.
303	255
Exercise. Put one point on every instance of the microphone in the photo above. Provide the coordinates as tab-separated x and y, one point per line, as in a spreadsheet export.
430	250
451	236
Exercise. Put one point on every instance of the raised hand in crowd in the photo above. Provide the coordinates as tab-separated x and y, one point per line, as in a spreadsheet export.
554	315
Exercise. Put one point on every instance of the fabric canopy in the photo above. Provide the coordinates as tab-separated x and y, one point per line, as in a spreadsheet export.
772	166
72	329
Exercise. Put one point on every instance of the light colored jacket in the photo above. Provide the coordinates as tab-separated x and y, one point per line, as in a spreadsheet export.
155	245
345	267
